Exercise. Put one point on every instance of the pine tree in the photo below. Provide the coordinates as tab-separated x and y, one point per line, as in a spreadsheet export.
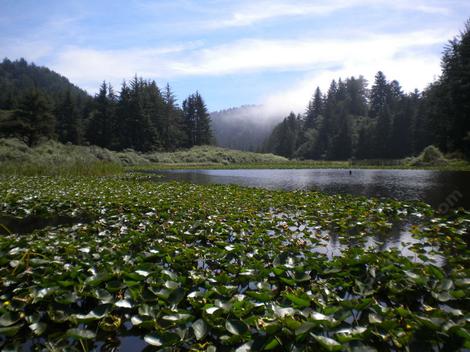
196	121
69	124
101	127
455	82
357	96
154	109
34	119
364	148
189	120
174	136
314	110
378	95
203	129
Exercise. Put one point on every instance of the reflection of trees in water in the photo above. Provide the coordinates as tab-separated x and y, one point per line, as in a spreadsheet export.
391	238
432	187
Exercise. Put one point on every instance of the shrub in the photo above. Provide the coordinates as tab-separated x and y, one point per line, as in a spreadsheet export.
431	156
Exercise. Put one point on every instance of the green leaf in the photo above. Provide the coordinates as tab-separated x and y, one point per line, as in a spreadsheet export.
327	343
236	327
9	318
81	334
11	330
246	347
272	344
123	303
176	317
153	340
374	318
38	328
176	296
200	329
302	302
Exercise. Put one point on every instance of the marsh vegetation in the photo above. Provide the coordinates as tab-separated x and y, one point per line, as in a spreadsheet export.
239	268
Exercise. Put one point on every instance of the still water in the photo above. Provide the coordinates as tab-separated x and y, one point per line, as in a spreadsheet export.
442	189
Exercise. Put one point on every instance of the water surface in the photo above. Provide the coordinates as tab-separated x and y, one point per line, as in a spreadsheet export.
442	189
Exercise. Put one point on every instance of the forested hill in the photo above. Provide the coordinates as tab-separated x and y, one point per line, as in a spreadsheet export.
244	127
383	122
17	78
38	104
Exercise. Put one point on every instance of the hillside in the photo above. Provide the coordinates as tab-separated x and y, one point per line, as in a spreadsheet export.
243	128
18	77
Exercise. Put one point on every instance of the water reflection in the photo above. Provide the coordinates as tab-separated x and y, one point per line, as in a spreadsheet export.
399	238
433	187
19	225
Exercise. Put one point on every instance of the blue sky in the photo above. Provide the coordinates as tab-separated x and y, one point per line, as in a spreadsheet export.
272	52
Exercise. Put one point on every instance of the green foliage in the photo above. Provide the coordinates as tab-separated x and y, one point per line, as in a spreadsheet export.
18	78
385	123
431	156
187	267
196	121
213	155
33	120
140	117
55	158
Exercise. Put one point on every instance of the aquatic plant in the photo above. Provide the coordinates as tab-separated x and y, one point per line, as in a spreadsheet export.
186	267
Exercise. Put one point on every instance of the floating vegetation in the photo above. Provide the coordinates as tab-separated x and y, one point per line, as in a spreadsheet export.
175	266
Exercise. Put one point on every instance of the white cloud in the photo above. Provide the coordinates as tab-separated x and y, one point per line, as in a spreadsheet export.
31	50
351	56
411	71
249	13
87	66
302	54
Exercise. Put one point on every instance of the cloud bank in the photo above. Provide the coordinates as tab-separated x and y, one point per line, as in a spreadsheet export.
307	43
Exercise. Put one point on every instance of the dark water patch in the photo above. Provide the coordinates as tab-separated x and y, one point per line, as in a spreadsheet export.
17	225
444	190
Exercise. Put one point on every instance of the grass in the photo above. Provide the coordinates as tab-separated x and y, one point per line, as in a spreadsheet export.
53	158
188	267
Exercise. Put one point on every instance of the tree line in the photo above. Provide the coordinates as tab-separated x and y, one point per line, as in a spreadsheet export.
141	116
352	121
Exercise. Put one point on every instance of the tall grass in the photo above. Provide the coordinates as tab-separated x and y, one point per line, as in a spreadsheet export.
213	155
53	158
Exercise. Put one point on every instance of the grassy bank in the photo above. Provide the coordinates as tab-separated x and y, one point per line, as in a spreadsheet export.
52	158
189	267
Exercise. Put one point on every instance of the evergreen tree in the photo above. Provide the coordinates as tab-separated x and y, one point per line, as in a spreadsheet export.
364	148
33	120
357	96
153	106
69	127
174	136
378	95
314	110
101	127
197	121
189	119
455	84
283	140
203	127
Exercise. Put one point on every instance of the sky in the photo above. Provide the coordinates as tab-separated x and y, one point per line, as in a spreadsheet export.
271	52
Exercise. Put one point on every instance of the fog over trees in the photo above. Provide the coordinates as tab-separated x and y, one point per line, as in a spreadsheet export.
245	127
351	120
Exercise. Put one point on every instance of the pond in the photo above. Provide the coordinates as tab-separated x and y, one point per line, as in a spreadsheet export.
443	190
